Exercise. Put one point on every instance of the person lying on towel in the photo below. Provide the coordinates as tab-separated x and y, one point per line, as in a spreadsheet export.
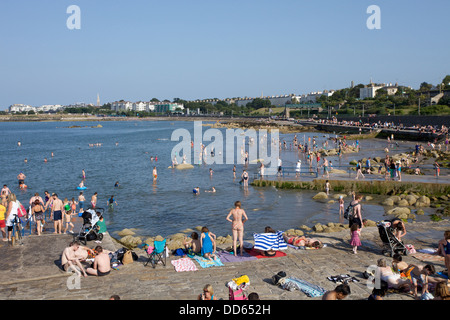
302	241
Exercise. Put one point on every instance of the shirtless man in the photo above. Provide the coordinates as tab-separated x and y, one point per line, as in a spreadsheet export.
237	225
102	264
81	200
245	178
21	177
339	293
94	200
69	259
155	173
56	215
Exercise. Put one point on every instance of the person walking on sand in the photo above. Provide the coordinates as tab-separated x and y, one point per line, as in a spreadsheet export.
237	225
56	215
355	242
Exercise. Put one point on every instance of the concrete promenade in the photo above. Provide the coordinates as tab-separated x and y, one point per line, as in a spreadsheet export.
31	271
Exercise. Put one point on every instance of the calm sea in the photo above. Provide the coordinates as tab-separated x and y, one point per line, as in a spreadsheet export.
166	206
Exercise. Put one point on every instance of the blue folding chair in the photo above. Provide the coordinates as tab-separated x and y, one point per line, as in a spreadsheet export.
158	254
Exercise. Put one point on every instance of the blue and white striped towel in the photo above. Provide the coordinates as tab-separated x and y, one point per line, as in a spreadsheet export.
270	241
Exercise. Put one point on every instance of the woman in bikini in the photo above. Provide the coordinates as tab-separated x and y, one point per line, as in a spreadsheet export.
237	225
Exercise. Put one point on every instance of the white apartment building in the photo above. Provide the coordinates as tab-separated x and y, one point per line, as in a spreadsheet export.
371	90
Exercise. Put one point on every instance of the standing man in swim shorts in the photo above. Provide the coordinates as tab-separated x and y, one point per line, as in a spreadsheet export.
56	215
81	200
237	225
21	177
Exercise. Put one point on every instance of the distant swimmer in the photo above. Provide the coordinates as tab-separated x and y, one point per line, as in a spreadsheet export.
116	185
94	200
111	201
155	173
83	173
213	190
196	190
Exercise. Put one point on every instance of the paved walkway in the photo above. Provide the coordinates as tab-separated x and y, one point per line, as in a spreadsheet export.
31	270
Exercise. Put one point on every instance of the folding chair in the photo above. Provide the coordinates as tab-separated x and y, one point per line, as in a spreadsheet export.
157	254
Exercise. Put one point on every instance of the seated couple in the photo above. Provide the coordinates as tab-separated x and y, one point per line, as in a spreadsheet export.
204	246
73	256
302	241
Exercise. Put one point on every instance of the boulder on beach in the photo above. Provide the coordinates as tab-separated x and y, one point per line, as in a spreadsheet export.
400	212
320	195
126	232
184	166
130	241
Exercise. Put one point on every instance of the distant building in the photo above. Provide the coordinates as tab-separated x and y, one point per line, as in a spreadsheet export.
146	106
371	90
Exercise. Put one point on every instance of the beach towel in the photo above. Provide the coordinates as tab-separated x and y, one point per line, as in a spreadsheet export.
269	241
259	255
184	264
428	257
311	290
227	257
206	263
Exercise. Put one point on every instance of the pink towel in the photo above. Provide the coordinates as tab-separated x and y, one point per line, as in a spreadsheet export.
184	264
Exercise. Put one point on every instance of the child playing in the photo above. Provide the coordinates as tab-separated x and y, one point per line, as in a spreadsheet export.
341	206
67	216
73	206
192	245
208	243
355	233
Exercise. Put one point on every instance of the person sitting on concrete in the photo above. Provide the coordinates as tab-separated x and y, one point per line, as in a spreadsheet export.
102	263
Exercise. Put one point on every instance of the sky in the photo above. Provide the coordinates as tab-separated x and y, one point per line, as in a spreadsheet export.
199	49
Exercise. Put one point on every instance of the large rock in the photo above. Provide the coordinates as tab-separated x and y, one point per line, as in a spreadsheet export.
411	199
388	202
400	212
320	196
130	241
403	203
126	232
184	166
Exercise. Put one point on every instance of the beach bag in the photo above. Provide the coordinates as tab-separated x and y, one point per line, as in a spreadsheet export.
410	248
21	211
127	257
238	294
276	278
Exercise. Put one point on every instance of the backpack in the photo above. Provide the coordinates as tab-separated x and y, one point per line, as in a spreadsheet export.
348	211
21	212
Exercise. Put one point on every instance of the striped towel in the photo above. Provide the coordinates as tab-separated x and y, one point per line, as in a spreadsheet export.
270	241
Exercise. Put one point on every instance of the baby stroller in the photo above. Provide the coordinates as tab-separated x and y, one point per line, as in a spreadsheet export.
391	245
89	229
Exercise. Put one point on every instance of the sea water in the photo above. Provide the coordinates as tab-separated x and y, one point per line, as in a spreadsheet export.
122	150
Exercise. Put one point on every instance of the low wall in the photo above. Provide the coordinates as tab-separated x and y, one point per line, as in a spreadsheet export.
380	187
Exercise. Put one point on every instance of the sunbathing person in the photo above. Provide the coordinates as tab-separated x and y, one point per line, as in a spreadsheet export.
394	280
302	241
69	261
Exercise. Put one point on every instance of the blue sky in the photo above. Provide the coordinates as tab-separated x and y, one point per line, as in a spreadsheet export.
141	49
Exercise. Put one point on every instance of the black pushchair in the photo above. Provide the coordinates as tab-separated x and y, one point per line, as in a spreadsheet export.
391	245
89	229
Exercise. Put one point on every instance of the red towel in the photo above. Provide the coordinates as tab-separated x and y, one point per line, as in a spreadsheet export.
258	254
